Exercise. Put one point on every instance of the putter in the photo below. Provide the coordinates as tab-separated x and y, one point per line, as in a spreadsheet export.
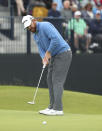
33	102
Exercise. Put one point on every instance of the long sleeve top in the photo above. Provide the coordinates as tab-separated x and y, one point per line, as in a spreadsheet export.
49	39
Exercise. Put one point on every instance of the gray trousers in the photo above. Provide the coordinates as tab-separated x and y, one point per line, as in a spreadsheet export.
57	73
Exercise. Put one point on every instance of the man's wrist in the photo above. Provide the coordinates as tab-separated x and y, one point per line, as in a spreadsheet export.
48	52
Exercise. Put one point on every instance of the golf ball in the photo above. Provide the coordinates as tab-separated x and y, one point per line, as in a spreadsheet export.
44	122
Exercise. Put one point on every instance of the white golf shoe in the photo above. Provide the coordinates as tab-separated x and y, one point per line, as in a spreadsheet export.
52	112
42	111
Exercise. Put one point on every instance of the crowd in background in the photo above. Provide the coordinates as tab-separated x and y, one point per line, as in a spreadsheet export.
84	17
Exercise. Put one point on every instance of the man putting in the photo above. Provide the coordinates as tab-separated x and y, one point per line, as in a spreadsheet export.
56	53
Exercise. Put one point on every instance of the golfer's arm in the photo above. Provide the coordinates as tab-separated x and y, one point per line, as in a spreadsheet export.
52	47
41	52
53	40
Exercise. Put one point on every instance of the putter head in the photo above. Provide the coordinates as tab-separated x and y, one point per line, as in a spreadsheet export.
32	102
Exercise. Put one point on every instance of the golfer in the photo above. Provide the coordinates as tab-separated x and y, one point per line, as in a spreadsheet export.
55	53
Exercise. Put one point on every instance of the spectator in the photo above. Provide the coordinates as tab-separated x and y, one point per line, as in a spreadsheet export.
79	27
98	2
87	14
98	7
20	7
74	2
96	28
53	12
66	12
84	2
26	3
74	9
59	4
48	3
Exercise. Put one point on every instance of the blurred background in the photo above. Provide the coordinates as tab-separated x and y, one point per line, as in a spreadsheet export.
80	24
84	36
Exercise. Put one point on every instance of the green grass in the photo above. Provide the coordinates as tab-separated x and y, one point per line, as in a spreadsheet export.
83	112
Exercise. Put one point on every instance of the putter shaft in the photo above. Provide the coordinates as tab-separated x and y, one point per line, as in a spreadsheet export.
38	86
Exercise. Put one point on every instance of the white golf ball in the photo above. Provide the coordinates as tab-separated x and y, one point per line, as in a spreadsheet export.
44	122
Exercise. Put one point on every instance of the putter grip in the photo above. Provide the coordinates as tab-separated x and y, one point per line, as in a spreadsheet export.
44	66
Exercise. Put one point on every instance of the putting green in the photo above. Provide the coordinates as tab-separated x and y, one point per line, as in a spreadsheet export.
83	112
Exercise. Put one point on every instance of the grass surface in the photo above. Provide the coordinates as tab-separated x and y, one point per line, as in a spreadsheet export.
83	112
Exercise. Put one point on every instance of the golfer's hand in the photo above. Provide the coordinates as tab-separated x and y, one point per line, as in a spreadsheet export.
44	61
47	58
